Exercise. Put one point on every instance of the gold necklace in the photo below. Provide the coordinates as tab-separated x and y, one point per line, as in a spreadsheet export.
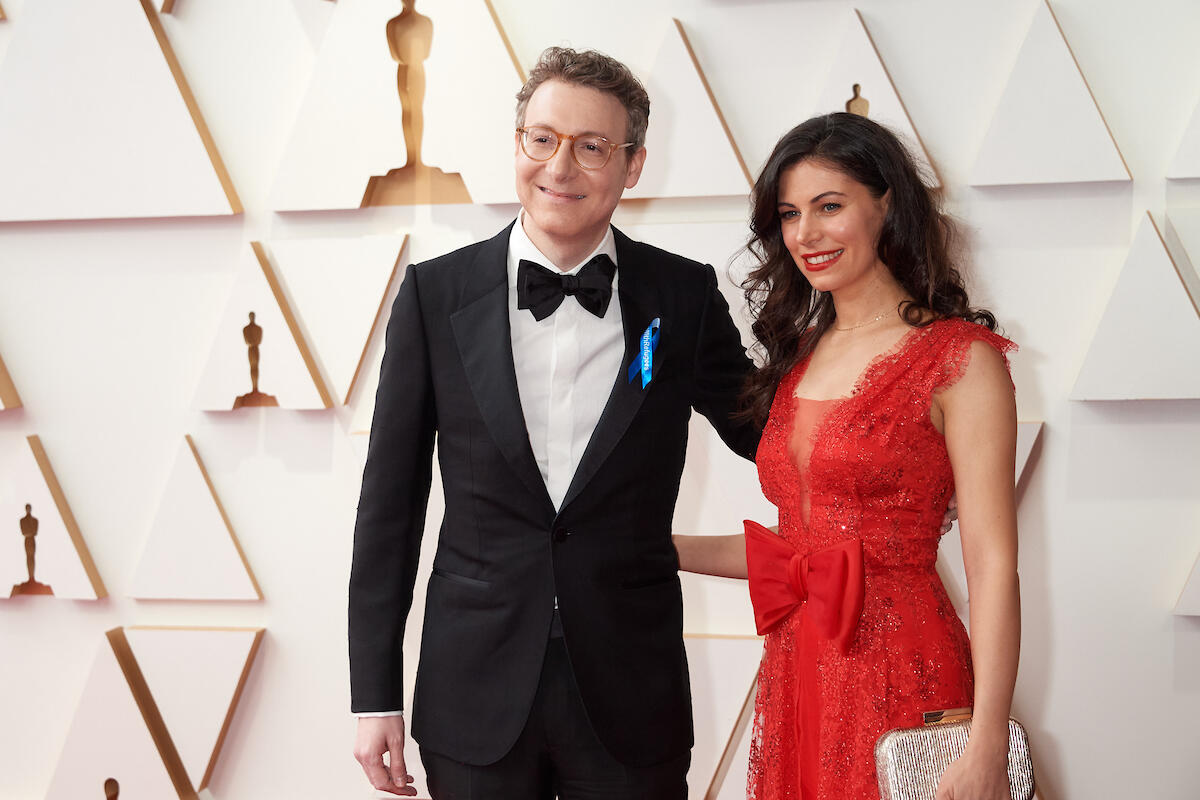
862	324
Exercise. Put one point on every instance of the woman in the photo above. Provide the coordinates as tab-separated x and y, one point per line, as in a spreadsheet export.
883	393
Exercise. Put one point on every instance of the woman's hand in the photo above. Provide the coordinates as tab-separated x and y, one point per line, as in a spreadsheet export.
980	774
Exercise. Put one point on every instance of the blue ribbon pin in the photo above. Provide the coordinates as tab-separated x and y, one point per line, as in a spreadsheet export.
644	363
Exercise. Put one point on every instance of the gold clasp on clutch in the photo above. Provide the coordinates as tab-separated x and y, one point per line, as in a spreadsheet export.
947	715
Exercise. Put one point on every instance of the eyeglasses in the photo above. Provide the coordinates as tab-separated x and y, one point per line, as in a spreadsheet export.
588	150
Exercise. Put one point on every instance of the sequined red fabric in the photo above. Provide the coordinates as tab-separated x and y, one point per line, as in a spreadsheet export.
877	470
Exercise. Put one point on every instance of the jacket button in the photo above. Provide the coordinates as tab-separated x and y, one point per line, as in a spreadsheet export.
560	534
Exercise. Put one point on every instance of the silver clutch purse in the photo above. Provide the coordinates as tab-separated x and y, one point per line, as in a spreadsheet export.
910	761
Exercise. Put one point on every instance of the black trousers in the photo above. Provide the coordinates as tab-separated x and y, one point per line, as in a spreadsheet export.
557	755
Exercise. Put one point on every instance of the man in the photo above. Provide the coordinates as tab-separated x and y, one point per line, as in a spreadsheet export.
552	659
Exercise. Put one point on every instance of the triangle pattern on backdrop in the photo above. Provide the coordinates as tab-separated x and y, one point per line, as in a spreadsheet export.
340	323
1186	163
196	677
192	552
690	128
287	372
471	138
1116	366
65	155
8	390
723	672
857	63
349	127
1047	127
1027	436
111	736
32	503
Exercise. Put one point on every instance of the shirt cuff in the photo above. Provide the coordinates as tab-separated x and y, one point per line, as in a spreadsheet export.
365	714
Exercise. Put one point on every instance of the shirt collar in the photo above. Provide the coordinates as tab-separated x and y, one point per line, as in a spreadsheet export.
521	247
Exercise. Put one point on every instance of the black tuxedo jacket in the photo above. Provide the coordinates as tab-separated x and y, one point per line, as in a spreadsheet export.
504	553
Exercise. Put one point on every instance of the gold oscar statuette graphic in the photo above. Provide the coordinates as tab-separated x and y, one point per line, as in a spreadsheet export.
858	104
253	334
410	37
29	530
112	789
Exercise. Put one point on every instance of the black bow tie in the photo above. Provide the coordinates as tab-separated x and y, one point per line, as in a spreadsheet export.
542	290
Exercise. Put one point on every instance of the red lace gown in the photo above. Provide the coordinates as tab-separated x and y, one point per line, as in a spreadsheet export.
868	467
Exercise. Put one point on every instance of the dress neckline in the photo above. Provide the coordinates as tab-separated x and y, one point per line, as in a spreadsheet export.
877	360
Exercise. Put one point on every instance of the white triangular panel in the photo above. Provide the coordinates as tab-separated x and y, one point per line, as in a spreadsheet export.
722	670
191	553
858	62
109	739
1027	436
282	369
1149	312
470	125
1189	599
349	127
195	676
1047	127
339	286
689	152
1182	235
1186	163
57	563
90	130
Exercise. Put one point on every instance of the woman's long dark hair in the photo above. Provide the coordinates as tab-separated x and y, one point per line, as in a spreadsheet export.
915	242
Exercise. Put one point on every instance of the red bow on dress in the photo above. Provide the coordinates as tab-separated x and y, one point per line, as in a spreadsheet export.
830	580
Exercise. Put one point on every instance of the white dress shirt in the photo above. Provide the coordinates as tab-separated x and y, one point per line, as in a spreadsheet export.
566	365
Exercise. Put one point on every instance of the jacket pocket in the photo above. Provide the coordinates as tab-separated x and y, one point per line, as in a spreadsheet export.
646	581
462	579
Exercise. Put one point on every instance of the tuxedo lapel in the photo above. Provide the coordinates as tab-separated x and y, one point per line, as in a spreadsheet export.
638	296
484	340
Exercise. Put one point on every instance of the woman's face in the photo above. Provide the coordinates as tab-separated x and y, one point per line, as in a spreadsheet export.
830	224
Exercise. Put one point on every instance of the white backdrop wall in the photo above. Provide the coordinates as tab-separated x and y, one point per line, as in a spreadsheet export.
105	327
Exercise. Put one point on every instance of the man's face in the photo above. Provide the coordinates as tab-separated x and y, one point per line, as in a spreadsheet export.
567	207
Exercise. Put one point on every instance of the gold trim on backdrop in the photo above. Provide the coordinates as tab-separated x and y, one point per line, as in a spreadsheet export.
879	56
1174	263
189	99
732	744
233	702
717	782
362	359
8	390
212	490
68	518
504	38
713	99
293	324
150	714
1088	86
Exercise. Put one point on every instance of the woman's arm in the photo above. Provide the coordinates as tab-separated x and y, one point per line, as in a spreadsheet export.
724	556
980	419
